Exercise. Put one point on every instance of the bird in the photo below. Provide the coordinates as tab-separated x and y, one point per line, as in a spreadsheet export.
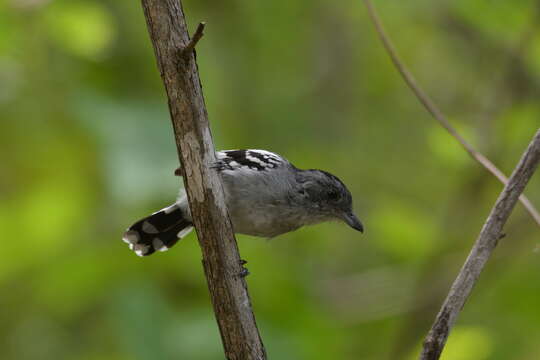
266	196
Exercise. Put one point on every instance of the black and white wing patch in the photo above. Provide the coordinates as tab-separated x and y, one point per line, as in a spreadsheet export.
257	160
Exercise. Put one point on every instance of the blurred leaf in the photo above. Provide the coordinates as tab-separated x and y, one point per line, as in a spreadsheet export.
403	231
10	79
133	157
519	123
502	20
533	56
468	343
151	329
44	217
83	28
446	148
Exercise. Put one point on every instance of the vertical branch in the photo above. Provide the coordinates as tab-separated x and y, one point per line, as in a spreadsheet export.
481	251
221	260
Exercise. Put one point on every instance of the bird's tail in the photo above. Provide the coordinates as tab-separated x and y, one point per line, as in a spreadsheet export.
159	231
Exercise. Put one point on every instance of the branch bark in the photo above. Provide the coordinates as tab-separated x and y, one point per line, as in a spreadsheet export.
481	251
221	259
432	108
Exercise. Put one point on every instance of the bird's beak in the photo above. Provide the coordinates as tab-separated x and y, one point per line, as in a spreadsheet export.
353	222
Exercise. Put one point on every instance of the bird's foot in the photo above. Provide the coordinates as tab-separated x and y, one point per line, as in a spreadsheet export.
244	272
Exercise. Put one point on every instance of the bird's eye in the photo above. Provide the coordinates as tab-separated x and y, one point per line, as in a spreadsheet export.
333	195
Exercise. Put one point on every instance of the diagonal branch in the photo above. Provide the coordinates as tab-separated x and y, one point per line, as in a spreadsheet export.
432	108
481	251
221	260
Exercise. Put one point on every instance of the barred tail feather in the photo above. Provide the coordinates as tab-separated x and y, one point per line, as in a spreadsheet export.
158	232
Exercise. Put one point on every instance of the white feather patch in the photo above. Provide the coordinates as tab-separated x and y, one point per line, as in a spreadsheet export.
170	209
141	249
158	245
130	237
255	160
184	232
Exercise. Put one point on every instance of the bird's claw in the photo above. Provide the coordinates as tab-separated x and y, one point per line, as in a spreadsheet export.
244	272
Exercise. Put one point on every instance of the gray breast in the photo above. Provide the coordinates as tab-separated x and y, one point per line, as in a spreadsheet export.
259	203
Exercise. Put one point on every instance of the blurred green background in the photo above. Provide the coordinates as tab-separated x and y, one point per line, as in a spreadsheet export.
86	148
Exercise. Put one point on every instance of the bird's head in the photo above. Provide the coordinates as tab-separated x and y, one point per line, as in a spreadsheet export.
327	196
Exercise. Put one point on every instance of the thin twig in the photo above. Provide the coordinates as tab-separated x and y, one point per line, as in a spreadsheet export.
437	113
194	39
221	259
483	247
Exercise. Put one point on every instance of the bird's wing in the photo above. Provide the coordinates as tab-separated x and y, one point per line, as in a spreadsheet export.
250	160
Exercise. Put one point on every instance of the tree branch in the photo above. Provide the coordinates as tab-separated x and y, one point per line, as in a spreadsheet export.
432	108
195	39
221	260
481	251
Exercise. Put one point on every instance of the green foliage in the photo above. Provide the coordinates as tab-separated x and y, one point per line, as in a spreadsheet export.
87	148
82	28
466	343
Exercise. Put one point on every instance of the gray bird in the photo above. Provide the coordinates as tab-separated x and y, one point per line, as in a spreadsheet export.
266	196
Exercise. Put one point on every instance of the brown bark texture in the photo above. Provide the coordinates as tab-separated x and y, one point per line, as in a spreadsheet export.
221	259
486	242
